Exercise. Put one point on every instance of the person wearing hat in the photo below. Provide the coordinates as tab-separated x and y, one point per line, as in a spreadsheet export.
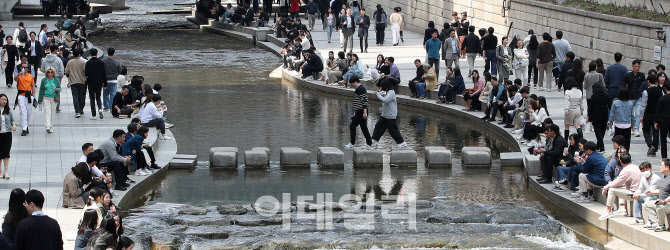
360	113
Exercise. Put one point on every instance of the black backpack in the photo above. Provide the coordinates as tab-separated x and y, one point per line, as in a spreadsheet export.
23	35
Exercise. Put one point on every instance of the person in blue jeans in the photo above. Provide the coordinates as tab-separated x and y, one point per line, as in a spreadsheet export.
356	70
489	44
648	183
566	172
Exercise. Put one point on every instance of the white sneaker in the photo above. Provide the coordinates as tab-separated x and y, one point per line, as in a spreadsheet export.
649	225
637	133
148	172
518	131
309	78
77	115
169	125
622	212
606	215
164	137
349	146
541	89
402	145
583	199
637	221
548	89
576	194
140	172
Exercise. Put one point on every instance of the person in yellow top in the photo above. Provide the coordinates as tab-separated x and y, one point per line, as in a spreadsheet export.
49	89
25	83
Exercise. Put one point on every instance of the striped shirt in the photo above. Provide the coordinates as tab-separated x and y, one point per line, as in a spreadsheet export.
360	98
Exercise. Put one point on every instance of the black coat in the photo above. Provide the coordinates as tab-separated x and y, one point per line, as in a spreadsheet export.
471	44
39	51
363	26
315	61
95	72
598	108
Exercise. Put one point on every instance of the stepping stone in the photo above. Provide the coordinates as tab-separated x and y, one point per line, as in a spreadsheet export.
257	158
223	157
514	159
437	156
476	149
330	157
475	159
182	164
295	157
185	157
403	157
367	158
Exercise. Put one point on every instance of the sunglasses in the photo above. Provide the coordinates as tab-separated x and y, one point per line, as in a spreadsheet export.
50	72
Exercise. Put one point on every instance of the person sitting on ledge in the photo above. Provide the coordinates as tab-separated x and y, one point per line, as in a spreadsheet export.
471	96
591	173
551	154
420	73
648	182
496	98
456	88
622	187
393	68
112	161
150	116
74	195
538	114
133	148
314	64
658	210
355	70
122	104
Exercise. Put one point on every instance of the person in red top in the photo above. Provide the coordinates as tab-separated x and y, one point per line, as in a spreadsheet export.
25	83
295	8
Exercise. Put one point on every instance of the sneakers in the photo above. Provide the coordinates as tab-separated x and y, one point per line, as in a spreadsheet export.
140	172
647	225
100	114
651	226
77	115
558	189
622	212
576	194
349	146
637	221
169	125
541	89
402	145
562	182
606	215
659	228
164	137
637	133
518	131
583	199
309	78
49	131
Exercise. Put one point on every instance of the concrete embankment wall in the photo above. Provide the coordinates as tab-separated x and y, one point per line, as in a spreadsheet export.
591	35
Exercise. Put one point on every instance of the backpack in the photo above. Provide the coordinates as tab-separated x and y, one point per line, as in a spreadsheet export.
23	36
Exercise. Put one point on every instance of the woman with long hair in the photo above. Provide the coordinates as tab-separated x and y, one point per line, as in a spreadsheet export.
133	148
473	94
330	23
86	227
538	113
7	125
356	70
15	213
578	73
662	79
621	116
49	89
106	235
600	67
95	197
574	99
457	87
596	114
74	185
10	55
532	60
373	71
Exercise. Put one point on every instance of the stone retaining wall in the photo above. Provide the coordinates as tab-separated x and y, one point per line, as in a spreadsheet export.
591	35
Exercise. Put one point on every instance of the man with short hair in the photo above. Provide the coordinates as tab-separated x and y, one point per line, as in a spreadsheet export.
660	68
348	29
622	187
76	77
35	53
658	210
38	231
471	47
360	113
648	183
418	78
647	111
433	46
489	44
552	153
614	77
633	81
86	149
393	69
565	67
112	70
363	22
314	64
42	37
546	54
592	172
96	77
151	117
113	161
311	10
122	104
495	100
562	47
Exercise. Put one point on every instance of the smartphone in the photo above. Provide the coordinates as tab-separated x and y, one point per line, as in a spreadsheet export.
657	201
630	195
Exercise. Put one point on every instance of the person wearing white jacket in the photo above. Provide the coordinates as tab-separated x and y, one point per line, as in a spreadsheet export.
151	117
648	182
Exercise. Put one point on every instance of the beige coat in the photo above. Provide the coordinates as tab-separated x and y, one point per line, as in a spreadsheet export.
75	71
431	79
484	96
72	192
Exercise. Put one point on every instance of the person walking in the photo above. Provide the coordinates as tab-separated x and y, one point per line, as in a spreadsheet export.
348	28
35	52
395	20
112	70
380	24
596	116
311	10
532	60
504	58
10	54
387	96
360	113
53	60
633	81
614	77
462	31
663	120
7	126
76	78
648	104
329	22
489	44
471	47
37	226
49	89
324	11
295	8
96	77
450	50
433	46
621	116
545	61
25	83
561	46
363	22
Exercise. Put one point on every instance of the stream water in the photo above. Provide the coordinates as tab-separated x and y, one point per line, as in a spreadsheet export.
219	94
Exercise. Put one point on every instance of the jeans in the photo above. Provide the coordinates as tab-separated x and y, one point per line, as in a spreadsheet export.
532	69
158	123
637	205
78	97
363	41
308	70
382	125
357	120
351	73
329	29
568	173
491	62
108	95
421	89
559	65
636	113
435	63
94	96
443	88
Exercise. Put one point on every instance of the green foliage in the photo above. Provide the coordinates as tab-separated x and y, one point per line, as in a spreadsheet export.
611	9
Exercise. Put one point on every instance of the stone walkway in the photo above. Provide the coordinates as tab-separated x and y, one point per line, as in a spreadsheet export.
40	160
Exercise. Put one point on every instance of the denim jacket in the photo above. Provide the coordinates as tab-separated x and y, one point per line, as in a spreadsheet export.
621	112
9	121
134	143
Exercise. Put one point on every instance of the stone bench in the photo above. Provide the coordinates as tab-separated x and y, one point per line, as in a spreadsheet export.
330	157
403	157
294	157
437	156
368	158
223	157
258	157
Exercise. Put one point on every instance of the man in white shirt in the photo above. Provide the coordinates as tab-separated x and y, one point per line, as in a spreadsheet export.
43	34
86	149
151	117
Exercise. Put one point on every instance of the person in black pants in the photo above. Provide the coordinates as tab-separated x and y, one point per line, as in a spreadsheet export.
380	24
596	115
648	101
493	106
96	77
663	122
389	115
12	57
552	153
360	113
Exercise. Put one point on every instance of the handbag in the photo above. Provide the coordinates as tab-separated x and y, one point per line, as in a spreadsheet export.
523	63
57	98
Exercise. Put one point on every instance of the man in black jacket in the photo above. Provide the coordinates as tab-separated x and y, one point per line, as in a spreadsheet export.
363	22
348	28
648	103
35	52
551	153
663	122
38	231
471	48
489	44
313	64
419	77
633	80
96	77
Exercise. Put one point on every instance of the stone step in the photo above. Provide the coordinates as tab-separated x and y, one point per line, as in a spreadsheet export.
403	157
513	159
182	164
437	156
330	157
294	157
223	157
258	157
186	157
368	158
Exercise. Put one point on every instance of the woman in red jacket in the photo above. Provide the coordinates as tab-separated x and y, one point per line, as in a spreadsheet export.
295	8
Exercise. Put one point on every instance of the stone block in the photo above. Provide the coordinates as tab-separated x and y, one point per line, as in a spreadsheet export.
532	164
182	164
437	156
485	149
185	157
330	157
403	157
476	159
223	159
364	158
294	157
257	158
514	159
220	149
